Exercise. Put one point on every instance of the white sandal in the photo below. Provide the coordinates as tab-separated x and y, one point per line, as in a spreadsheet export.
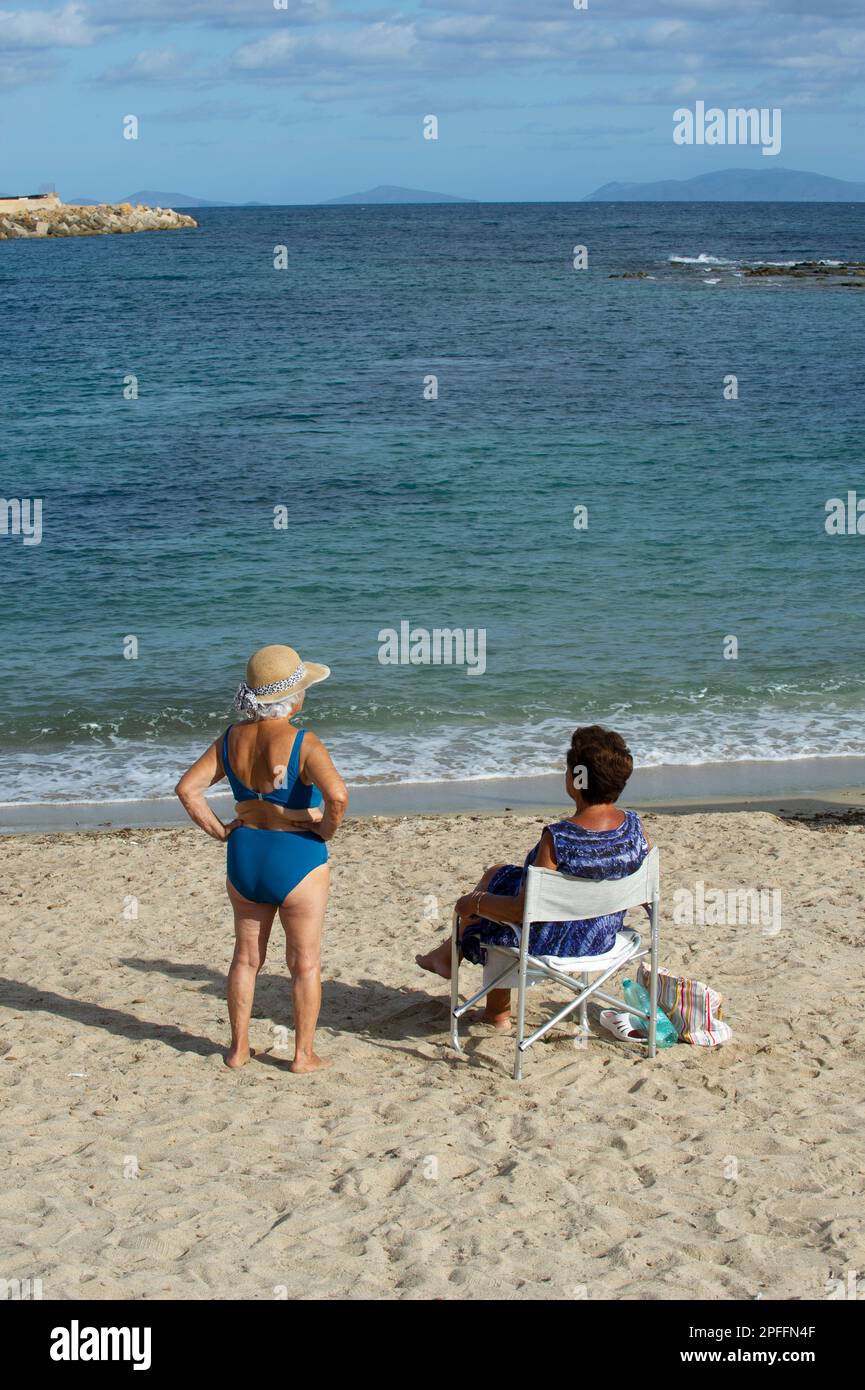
619	1024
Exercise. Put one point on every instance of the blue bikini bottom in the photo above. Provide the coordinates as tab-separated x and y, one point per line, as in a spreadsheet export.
265	865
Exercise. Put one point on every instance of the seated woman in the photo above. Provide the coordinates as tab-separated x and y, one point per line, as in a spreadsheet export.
599	842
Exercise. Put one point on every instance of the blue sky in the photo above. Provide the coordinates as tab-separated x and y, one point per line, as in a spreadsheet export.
238	100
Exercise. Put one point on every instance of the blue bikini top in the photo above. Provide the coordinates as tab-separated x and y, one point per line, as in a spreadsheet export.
293	793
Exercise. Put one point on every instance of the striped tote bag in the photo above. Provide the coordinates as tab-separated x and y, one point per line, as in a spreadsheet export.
692	1007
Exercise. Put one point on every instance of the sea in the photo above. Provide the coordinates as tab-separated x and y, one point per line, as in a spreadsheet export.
315	425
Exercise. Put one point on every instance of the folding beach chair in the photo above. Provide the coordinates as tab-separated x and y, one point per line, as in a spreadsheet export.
555	897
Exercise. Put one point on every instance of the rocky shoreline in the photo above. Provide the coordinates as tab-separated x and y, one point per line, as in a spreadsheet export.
103	219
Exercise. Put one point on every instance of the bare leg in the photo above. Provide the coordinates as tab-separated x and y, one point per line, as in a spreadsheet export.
497	1011
302	916
438	960
252	924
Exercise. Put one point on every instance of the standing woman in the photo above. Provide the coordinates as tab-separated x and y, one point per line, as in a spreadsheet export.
277	845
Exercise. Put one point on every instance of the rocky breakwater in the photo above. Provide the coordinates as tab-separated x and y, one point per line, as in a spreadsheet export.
104	218
829	272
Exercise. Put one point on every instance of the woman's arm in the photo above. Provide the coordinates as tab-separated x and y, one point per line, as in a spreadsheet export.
498	907
269	815
190	789
317	769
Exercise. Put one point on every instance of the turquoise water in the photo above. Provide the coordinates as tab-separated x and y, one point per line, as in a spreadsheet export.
303	388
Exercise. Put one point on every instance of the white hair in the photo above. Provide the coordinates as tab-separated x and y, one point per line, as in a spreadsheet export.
247	702
277	709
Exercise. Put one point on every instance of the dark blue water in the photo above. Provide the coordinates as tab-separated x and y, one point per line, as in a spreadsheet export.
304	388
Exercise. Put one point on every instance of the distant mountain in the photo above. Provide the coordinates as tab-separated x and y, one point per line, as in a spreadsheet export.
391	193
152	199
155	199
735	186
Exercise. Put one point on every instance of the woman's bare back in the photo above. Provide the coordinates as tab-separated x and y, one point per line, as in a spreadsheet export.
259	752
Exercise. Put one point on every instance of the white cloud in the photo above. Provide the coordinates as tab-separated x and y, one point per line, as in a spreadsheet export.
463	28
377	44
217	14
266	54
34	29
151	65
347	47
26	68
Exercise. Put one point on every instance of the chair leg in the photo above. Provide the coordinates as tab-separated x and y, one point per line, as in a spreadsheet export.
521	1027
455	984
653	982
521	1014
584	1011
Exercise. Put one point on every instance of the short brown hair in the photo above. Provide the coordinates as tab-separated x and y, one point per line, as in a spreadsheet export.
606	759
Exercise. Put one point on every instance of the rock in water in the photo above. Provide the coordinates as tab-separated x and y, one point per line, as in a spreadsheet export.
68	220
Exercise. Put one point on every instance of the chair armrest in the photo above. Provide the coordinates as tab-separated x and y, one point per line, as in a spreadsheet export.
517	930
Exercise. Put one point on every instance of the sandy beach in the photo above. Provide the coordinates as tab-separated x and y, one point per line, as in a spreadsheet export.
138	1167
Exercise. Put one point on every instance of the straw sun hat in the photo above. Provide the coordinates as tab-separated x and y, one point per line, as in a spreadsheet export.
274	674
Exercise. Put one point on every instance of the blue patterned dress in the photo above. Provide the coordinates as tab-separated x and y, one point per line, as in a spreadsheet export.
595	854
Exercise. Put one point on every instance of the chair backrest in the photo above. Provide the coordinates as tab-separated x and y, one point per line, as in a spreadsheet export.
555	897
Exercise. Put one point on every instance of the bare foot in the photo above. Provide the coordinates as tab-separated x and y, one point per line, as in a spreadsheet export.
309	1062
433	962
501	1022
236	1057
